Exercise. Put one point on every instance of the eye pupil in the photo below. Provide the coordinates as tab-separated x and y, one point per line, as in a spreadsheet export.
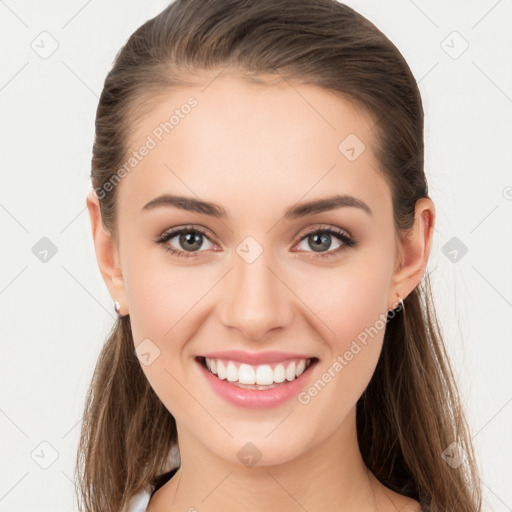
319	239
190	238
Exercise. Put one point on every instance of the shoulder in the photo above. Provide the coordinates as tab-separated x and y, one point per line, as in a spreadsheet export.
139	502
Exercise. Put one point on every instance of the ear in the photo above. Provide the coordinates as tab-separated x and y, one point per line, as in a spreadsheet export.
107	253
414	251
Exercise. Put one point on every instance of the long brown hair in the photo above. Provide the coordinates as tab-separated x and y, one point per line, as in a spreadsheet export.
410	412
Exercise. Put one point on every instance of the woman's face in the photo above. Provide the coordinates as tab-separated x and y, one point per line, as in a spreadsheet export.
253	279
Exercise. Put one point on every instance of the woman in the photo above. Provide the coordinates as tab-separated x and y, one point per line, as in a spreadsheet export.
261	219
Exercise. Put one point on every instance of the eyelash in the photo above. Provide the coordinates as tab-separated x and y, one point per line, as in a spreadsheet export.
348	242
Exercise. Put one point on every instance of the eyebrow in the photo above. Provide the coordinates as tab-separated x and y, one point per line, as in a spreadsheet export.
296	211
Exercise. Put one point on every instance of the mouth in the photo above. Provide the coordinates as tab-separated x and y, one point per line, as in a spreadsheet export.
260	377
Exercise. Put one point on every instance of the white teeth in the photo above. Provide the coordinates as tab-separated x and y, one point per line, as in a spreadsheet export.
221	370
264	375
290	371
301	366
279	373
246	374
261	375
232	372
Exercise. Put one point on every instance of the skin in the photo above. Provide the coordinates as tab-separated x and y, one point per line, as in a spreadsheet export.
256	150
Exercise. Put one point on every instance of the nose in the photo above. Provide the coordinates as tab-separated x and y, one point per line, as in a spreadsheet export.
256	299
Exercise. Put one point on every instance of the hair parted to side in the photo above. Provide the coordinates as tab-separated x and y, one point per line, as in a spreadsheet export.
411	410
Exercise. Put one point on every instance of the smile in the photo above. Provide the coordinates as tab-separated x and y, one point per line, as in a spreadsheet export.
256	386
262	376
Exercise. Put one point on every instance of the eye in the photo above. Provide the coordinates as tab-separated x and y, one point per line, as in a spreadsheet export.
190	238
321	238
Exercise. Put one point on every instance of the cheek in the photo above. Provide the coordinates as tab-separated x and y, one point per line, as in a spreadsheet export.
163	303
165	307
163	297
350	300
352	318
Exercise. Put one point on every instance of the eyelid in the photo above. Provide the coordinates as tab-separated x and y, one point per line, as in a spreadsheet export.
172	232
343	235
325	227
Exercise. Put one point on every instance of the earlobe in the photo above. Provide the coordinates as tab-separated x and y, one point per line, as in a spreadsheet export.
415	250
106	252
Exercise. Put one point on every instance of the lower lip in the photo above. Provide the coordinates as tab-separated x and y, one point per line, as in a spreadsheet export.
257	398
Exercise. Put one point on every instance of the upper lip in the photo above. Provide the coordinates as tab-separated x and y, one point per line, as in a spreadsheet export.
255	358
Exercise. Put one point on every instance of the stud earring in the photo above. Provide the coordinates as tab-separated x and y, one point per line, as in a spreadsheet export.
117	307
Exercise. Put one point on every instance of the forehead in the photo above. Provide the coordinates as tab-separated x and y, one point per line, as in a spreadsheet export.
228	138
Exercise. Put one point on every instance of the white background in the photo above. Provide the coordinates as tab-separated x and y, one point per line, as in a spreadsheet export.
55	315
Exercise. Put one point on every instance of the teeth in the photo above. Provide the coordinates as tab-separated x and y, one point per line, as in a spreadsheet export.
290	371
231	372
261	375
264	375
221	369
301	366
279	373
246	374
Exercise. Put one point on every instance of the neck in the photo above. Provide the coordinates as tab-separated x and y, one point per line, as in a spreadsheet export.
330	476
